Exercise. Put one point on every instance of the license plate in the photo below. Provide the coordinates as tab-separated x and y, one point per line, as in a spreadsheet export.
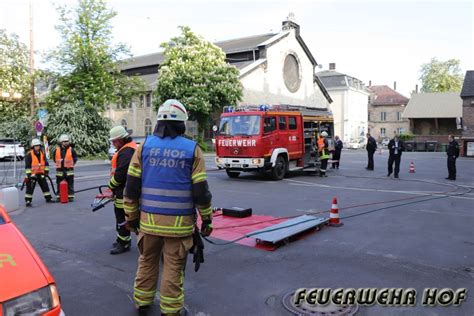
234	165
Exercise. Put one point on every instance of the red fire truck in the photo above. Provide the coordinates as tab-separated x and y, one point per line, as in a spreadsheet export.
278	139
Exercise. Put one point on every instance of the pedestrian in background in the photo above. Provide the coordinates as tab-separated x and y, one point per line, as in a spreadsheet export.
371	147
395	147
336	155
453	154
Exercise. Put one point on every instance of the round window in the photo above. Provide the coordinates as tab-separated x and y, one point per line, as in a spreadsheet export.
291	73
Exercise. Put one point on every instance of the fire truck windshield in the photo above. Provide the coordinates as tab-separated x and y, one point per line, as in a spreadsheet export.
247	125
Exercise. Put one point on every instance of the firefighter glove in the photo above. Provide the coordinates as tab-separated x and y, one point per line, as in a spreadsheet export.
197	250
133	225
206	227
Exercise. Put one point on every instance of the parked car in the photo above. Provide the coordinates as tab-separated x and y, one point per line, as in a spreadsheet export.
357	143
27	286
385	142
9	147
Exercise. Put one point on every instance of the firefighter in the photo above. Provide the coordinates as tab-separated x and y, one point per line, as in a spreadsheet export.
125	146
323	153
166	183
65	158
453	153
36	169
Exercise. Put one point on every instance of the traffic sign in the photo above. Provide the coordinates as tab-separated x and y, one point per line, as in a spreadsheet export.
39	127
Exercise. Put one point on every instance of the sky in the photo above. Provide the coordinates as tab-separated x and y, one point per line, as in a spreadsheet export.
377	41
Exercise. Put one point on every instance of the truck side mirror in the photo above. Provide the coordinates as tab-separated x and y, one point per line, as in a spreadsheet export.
214	128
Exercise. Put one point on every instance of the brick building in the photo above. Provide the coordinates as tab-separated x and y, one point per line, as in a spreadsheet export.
467	96
385	112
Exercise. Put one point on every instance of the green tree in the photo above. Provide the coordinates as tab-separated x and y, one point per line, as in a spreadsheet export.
441	76
19	129
14	77
87	62
88	131
195	72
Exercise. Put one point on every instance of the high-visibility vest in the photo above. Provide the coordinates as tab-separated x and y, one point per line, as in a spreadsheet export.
37	166
131	144
167	165
68	160
323	154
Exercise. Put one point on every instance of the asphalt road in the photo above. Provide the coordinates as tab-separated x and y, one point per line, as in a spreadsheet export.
429	243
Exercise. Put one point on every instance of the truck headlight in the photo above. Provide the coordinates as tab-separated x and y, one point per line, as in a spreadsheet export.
218	160
256	161
34	303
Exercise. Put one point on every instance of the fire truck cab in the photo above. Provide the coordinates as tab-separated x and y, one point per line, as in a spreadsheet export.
278	139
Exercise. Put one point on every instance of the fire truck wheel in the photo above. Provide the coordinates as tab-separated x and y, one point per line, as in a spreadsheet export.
278	172
232	174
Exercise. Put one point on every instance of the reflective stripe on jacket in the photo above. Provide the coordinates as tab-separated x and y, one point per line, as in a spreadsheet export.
167	165
322	148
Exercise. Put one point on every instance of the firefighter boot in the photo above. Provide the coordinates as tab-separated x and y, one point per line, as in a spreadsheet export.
120	248
183	312
144	310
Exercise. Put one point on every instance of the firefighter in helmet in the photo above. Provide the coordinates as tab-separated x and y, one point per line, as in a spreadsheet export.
36	169
166	183
323	153
65	158
125	146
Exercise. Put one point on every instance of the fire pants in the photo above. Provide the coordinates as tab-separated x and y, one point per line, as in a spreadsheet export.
174	251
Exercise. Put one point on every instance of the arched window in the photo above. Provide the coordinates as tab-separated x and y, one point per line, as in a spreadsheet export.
147	127
124	124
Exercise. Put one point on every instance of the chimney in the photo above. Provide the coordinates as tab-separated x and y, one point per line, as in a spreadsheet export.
394	85
332	66
370	83
416	89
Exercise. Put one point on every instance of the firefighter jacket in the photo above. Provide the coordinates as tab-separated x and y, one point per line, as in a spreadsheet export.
453	149
65	159
119	168
323	148
166	182
36	163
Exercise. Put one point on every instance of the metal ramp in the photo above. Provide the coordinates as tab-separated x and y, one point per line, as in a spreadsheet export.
283	231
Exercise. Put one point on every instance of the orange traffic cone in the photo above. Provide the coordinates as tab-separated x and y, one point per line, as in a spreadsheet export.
334	216
412	167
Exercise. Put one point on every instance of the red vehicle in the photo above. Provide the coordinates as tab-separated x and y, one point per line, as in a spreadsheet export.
26	286
277	139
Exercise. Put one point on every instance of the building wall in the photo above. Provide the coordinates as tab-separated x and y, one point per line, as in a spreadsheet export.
266	85
355	114
134	117
391	123
468	117
349	108
337	107
428	127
